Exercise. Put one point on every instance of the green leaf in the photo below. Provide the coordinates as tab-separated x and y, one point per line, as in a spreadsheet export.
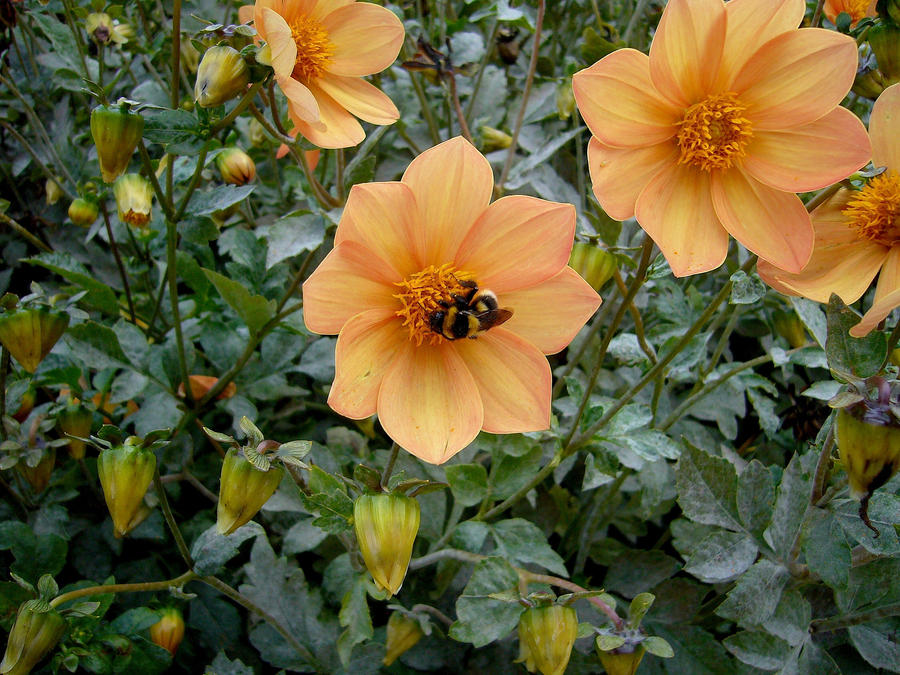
480	618
851	358
722	556
512	473
254	310
355	618
93	345
99	295
329	500
696	652
813	318
47	587
222	665
756	594
758	649
520	540
827	550
212	550
790	504
707	488
291	235
746	289
171	126
658	647
880	650
755	497
468	483
217	199
61	38
134	621
637	571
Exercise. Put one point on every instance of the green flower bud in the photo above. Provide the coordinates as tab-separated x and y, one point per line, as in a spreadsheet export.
402	634
789	326
236	166
168	632
38	476
595	265
83	212
125	474
386	527
257	133
546	637
565	100
893	10
53	190
29	333
76	420
243	489
221	75
869	83
621	661
116	131
37	630
494	139
134	199
884	39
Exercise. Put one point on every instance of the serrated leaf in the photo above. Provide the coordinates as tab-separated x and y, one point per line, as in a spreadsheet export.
171	126
790	504
851	358
755	595
722	556
99	295
480	618
746	289
254	310
758	649
96	346
83	608
468	483
707	488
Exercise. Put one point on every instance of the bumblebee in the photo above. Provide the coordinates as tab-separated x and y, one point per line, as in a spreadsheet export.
469	314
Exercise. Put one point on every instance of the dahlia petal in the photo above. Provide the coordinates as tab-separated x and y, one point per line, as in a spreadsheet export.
752	23
276	6
246	13
618	175
366	39
381	218
550	314
452	183
514	380
302	103
319	9
619	103
811	156
687	49
349	278
365	349
360	98
335	128
771	223
796	78
517	242
676	210
883	129
281	43
887	295
429	402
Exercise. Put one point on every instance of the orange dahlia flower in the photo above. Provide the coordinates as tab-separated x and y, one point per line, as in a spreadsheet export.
320	51
858	232
407	250
733	112
856	9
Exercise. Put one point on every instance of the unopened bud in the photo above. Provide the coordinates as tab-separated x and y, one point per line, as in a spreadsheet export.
595	265
125	473
884	38
134	199
257	133
494	139
243	489
54	191
402	634
168	632
221	75
75	420
869	83
37	630
622	661
386	526
546	637
83	212
201	384
565	100
29	333
236	166
789	326
116	131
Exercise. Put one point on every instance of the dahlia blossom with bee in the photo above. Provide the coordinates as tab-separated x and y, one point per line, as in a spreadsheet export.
733	112
410	250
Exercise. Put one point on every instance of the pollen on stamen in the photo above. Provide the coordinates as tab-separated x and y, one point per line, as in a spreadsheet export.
714	133
875	210
422	293
314	48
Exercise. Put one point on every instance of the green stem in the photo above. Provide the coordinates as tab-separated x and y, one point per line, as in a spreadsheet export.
176	54
573	358
639	8
143	586
601	499
389	467
854	619
151	175
817	15
172	277
37	160
426	109
476	87
245	101
457	107
6	220
296	281
170	519
820	478
115	250
192	186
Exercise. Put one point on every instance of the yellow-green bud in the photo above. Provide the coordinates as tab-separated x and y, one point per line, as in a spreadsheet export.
619	662
789	326
125	474
83	212
236	166
29	333
893	10
565	100
36	631
869	442
99	26
54	191
869	83
494	139
134	199
257	133
546	637
38	476
168	632
243	489
221	75
75	420
884	38
402	634
386	526
190	57
116	131
595	265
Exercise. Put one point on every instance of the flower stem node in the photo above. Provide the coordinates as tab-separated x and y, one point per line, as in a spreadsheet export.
29	333
221	75
403	632
168	632
116	131
243	489
386	525
75	419
236	166
37	630
125	474
546	637
83	212
134	199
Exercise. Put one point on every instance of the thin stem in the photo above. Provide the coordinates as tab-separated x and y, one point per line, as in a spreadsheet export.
476	87
5	219
435	612
525	489
573	359
722	344
426	109
601	499
176	54
339	174
636	317
34	156
122	272
246	100
639	8
389	467
822	196
854	619
170	519
822	468
157	188
817	15
460	116
143	586
4	371
192	186
296	281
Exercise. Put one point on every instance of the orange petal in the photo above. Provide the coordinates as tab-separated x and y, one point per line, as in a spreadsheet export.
246	13
318	9
797	78
366	39
365	350
887	295
619	103
281	42
276	6
452	183
429	402
676	210
360	98
350	279
302	103
381	217
771	223
514	379
550	314
752	23
809	157
335	128
687	49
619	174
517	242
884	129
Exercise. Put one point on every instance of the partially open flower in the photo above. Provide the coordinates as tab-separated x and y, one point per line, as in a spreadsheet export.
134	199
403	633
125	472
546	637
386	527
236	166
36	631
221	75
855	9
168	632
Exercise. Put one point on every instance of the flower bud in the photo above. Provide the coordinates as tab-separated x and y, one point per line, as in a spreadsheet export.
26	404
75	420
37	630
38	476
99	26
257	133
402	634
53	190
893	10
83	212
190	57
236	166
386	527
869	83
595	265
243	489
565	100
134	199
29	333
200	384
116	131
125	474
546	637
884	39
619	662
494	139
789	326
169	630
221	75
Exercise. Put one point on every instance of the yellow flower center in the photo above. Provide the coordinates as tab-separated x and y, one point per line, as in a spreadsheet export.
421	295
314	49
857	9
875	210
714	134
